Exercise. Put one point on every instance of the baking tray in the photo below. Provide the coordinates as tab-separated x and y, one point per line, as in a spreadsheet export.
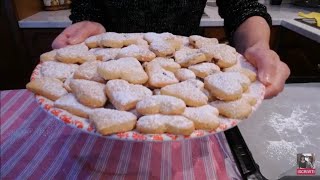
248	168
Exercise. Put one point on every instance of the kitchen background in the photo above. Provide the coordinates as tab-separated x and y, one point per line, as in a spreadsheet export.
27	30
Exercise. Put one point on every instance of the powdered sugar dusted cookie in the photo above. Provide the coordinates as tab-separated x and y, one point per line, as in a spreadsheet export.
105	54
128	69
112	40
187	57
139	52
66	83
50	88
199	41
132	38
203	70
189	91
247	72
69	103
48	56
227	86
184	74
162	48
75	54
161	72
93	41
161	104
124	96
89	71
58	70
157	124
89	93
204	117
224	55
109	121
238	109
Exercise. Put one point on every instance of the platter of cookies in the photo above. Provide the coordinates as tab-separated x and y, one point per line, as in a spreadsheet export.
147	86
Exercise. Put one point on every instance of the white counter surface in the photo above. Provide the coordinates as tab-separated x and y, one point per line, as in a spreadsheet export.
283	15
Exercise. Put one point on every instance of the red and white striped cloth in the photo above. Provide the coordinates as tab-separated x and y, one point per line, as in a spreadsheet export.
34	145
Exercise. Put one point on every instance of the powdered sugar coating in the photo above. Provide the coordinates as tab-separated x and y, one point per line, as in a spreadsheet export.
124	68
204	117
69	103
187	57
112	40
139	52
165	123
58	70
203	70
106	54
50	88
189	91
75	54
224	55
48	56
89	71
199	41
161	72
109	121
89	93
238	109
227	85
123	95
93	41
184	74
161	104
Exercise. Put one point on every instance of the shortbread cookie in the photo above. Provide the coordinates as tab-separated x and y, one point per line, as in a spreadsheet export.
223	55
189	91
238	109
128	69
93	41
249	98
132	38
66	83
89	93
204	117
57	70
75	54
156	92
158	124
48	56
89	71
161	104
105	54
248	72
199	41
187	57
208	94
124	96
50	88
162	48
69	103
152	37
227	86
139	52
161	72
109	121
112	40
203	70
184	74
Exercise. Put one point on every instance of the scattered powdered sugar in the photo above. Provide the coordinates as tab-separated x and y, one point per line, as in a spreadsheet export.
184	74
282	148
295	122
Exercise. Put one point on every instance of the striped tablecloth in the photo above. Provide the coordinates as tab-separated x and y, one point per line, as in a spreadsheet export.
34	145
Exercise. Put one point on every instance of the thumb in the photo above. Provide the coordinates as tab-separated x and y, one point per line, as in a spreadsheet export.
264	61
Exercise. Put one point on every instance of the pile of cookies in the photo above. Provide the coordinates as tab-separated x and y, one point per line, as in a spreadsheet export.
148	82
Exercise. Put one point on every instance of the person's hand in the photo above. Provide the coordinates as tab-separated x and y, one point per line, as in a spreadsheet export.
272	72
77	33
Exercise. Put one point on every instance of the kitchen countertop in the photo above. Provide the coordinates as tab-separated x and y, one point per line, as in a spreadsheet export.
283	15
282	127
